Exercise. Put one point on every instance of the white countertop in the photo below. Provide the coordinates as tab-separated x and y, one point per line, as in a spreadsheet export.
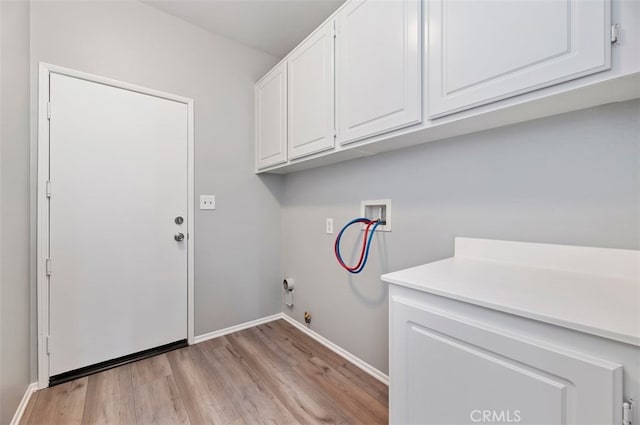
600	297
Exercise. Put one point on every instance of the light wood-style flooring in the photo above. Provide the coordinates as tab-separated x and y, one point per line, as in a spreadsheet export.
269	374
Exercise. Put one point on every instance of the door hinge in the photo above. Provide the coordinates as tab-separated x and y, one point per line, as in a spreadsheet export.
49	110
48	266
48	344
615	33
627	411
48	188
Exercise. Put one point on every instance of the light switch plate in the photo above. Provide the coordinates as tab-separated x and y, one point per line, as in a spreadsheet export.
207	202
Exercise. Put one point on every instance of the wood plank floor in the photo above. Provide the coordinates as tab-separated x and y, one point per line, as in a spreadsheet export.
269	374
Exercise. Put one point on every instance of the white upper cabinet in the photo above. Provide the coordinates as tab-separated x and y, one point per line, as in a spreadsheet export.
380	75
271	118
482	51
378	67
311	94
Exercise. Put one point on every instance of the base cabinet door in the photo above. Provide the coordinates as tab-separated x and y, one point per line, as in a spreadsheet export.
271	118
481	52
311	99
378	67
447	369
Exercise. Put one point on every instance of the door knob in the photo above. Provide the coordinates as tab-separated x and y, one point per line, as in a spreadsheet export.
179	237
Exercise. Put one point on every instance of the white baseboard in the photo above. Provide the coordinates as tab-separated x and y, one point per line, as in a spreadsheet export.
23	403
236	328
380	376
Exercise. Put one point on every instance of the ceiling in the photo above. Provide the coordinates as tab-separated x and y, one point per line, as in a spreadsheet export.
272	26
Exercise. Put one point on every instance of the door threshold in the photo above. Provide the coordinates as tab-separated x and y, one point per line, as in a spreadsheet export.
110	364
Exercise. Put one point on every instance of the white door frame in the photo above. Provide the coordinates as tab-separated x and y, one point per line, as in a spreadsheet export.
43	210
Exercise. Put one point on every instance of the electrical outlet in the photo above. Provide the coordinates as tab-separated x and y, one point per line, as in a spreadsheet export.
329	228
207	202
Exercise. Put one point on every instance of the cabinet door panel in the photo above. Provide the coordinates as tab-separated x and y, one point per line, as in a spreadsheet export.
378	67
271	116
311	100
480	52
450	370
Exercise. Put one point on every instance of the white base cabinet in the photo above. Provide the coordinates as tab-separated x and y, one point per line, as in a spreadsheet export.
515	332
449	369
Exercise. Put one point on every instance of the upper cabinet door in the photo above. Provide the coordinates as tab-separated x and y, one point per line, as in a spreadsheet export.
271	118
311	94
482	51
378	67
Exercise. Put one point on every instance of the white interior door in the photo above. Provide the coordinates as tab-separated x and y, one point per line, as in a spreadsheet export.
118	172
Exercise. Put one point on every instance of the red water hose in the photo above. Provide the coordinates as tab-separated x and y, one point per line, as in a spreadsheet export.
336	247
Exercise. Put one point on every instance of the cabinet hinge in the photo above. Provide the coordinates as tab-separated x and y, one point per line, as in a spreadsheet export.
615	32
49	110
627	412
48	188
48	344
48	266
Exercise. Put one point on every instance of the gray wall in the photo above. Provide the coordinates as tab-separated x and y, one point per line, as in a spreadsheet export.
237	246
14	206
570	179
